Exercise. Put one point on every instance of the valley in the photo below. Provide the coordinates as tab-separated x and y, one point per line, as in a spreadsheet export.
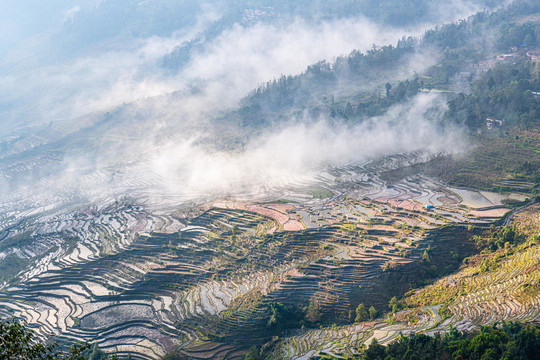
198	280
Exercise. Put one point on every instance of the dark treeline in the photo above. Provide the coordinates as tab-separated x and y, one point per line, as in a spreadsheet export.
317	84
18	341
500	341
508	33
506	340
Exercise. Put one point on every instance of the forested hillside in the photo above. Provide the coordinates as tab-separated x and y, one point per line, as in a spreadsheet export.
345	88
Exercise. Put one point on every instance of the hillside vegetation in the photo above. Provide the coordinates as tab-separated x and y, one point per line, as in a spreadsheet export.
501	341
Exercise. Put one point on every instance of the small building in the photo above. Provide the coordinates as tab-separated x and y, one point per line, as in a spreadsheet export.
534	54
485	64
536	94
491	123
505	57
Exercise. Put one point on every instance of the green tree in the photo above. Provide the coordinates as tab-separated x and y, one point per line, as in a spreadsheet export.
536	72
388	87
277	310
393	304
372	313
425	257
501	341
361	313
401	91
253	354
313	313
375	351
18	342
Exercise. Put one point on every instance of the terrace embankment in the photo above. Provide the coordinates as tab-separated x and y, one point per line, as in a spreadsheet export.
205	280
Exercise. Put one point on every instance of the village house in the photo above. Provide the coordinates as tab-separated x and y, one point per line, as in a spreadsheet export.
491	123
505	57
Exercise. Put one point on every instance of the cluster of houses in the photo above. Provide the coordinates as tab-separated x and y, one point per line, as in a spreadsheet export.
534	54
524	51
531	52
505	57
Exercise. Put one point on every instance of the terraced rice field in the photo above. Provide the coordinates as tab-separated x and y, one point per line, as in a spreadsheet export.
502	294
508	290
199	279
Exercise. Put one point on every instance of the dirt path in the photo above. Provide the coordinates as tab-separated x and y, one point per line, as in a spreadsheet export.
517	211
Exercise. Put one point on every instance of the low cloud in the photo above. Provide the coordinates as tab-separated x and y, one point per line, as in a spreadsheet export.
185	169
305	146
223	71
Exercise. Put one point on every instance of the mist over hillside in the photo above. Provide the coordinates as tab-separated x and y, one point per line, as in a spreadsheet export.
102	85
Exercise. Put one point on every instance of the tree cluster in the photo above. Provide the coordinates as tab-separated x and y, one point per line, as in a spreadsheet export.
504	92
18	342
500	341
